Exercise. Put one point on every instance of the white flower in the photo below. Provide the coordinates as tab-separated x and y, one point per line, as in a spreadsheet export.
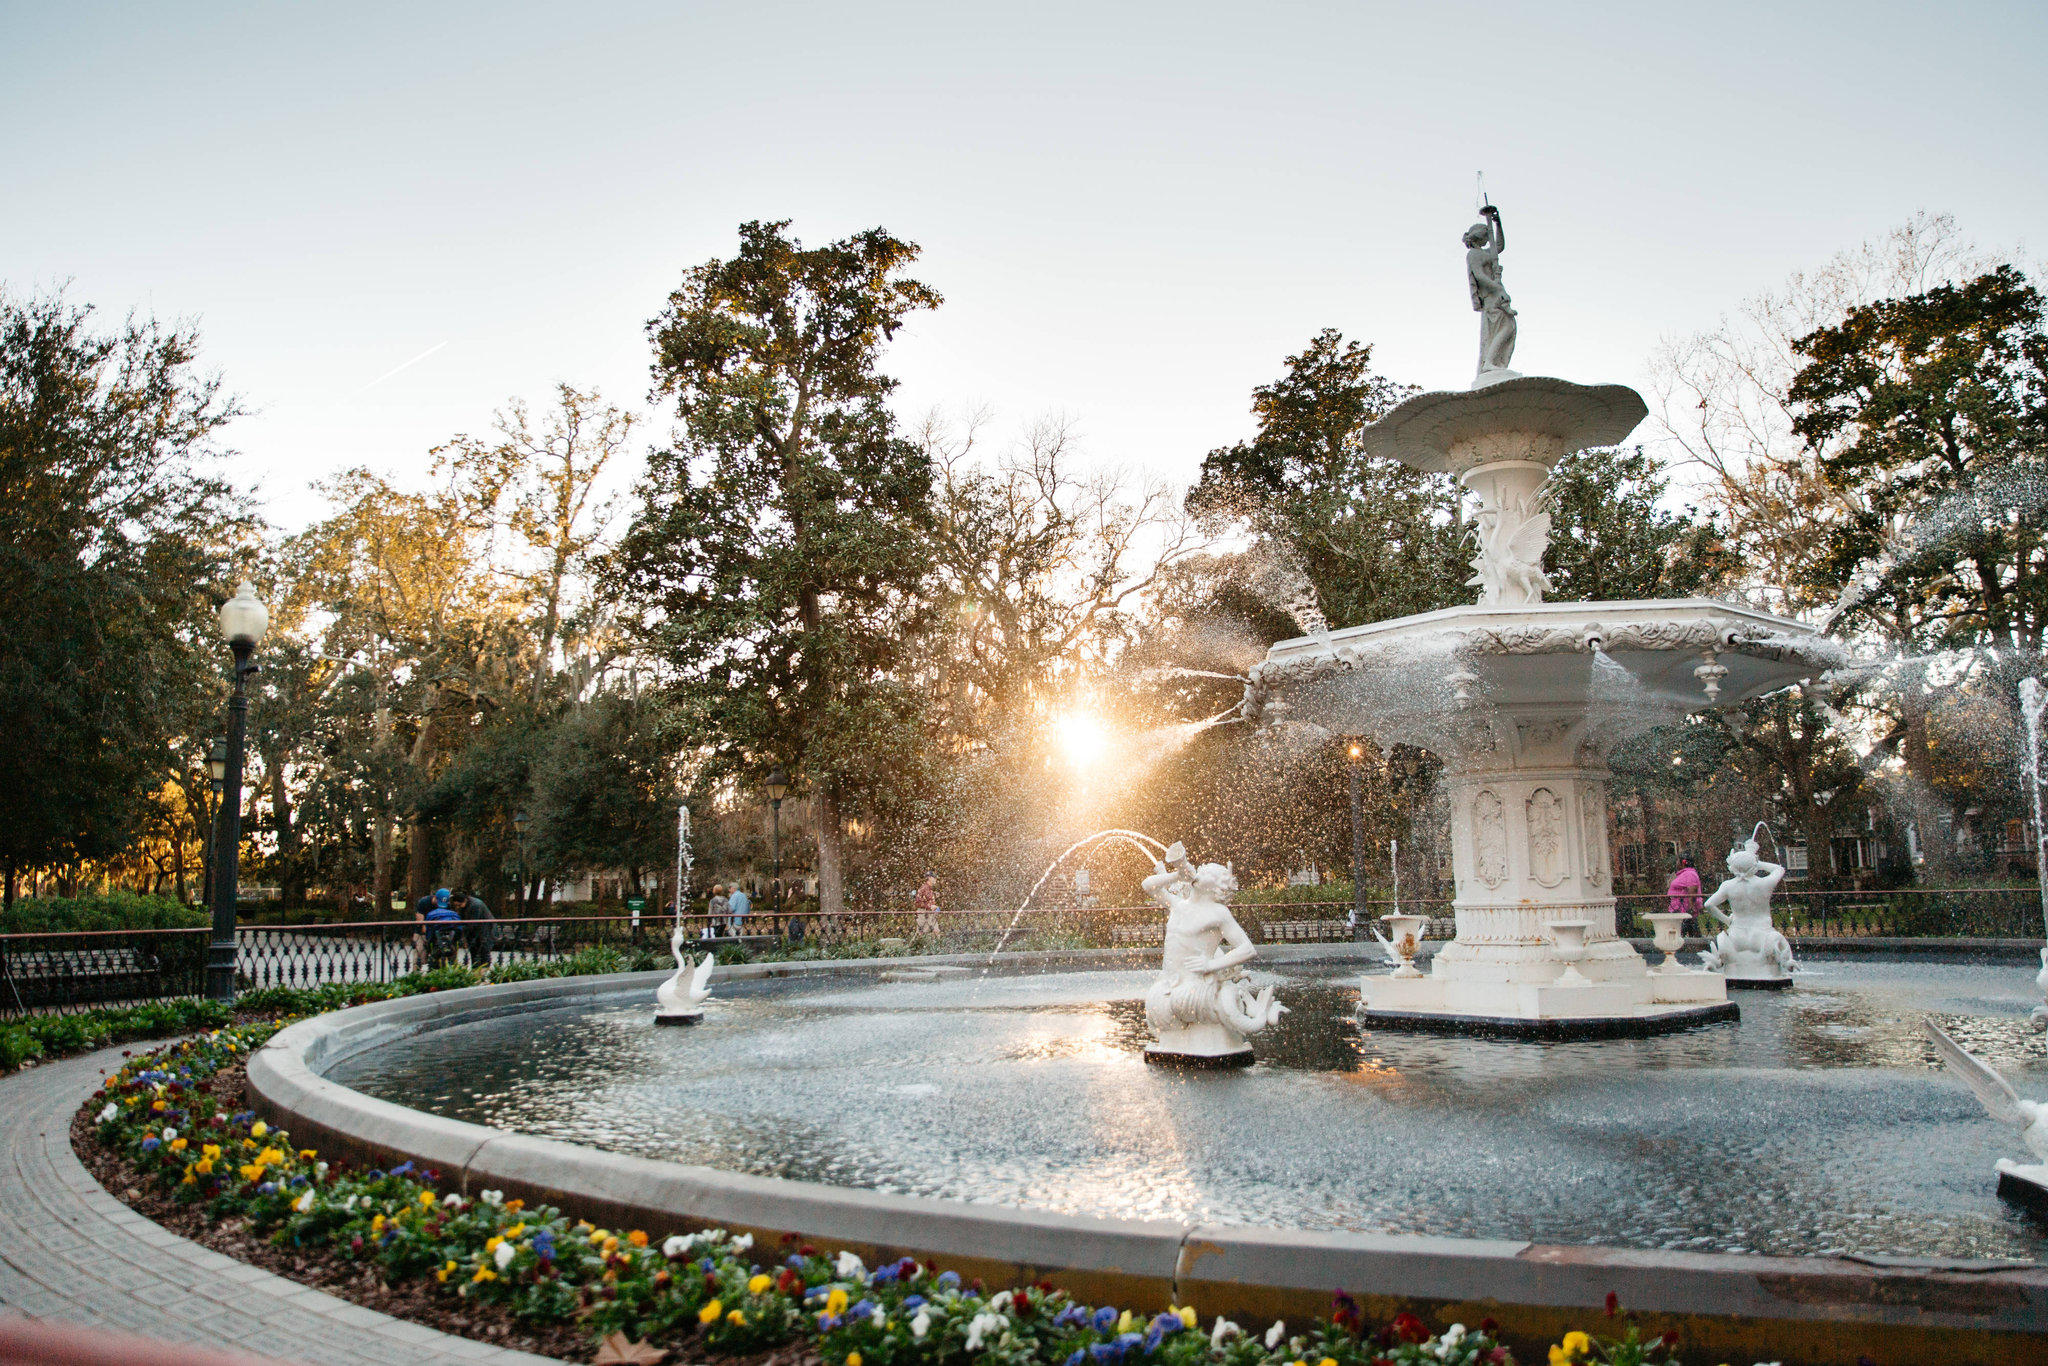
349	1203
169	1134
678	1244
451	1201
851	1267
491	1197
1224	1329
1276	1332
1000	1301
304	1204
504	1255
881	1317
320	1171
108	1113
981	1325
743	1242
922	1324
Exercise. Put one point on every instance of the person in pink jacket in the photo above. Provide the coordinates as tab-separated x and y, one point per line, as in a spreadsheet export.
1684	892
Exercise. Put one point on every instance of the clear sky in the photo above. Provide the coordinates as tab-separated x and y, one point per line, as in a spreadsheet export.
1134	210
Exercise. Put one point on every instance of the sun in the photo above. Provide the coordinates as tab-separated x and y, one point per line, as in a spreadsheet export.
1082	738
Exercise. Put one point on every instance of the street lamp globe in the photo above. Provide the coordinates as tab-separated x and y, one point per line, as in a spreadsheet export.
1354	750
244	618
778	784
217	763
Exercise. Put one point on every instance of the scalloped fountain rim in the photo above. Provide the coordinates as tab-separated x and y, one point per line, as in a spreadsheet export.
1788	1307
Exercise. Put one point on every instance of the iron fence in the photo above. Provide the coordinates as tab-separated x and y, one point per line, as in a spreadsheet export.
75	970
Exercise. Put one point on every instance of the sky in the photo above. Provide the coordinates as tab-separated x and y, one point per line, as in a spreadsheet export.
388	219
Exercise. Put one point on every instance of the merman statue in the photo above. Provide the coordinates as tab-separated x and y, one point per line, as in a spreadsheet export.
1749	951
1202	1008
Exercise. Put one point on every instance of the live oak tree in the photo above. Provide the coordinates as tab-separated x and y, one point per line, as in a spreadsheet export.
113	538
781	543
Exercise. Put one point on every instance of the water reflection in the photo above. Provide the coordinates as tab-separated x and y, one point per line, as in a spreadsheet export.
1821	1122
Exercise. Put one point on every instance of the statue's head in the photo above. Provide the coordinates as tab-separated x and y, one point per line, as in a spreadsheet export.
1216	881
1478	235
1742	860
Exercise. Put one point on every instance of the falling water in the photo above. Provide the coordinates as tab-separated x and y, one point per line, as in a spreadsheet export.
2033	702
1144	844
1177	671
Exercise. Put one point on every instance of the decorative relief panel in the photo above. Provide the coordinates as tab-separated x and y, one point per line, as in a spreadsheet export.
1489	839
1547	857
1593	833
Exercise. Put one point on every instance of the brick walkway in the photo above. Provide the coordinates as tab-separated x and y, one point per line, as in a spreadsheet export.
71	1251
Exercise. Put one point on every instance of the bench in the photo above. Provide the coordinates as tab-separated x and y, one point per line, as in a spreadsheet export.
42	977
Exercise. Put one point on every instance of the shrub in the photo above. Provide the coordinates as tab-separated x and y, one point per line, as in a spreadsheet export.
114	911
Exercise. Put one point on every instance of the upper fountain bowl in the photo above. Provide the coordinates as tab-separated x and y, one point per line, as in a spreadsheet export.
1533	418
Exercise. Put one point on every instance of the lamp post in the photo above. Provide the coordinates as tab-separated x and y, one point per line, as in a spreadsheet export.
243	620
1354	760
778	788
217	771
519	819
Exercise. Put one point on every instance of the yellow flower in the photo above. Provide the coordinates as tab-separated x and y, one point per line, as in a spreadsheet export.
1576	1345
210	1149
258	1129
853	1359
1187	1318
759	1284
625	1259
251	1172
442	1274
426	1198
307	1154
1124	1322
515	1205
710	1312
637	1238
515	1230
611	1245
158	1105
483	1273
250	1144
189	1179
835	1303
491	1243
204	1166
1327	1361
178	1145
736	1319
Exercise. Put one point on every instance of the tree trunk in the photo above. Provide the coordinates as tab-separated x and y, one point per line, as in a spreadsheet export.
380	866
1924	801
418	869
293	878
831	877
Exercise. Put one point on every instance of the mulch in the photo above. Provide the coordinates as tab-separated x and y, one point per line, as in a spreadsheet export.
422	1301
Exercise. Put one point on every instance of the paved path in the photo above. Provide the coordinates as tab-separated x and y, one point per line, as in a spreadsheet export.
69	1250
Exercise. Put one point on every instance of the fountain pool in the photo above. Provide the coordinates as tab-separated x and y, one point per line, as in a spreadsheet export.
1820	1123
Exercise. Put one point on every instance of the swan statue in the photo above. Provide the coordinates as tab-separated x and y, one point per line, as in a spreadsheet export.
2006	1106
680	1000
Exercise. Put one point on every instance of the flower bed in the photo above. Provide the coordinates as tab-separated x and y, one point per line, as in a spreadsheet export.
491	1266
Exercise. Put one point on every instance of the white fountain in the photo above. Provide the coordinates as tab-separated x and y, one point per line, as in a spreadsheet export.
1523	699
680	1000
1749	952
1202	1008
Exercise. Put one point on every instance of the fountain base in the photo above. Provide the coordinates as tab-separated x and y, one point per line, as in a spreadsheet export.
681	1017
1759	983
1199	1045
2024	1184
1627	1005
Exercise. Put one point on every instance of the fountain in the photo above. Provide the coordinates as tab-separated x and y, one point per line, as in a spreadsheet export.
1523	699
2023	1183
1749	952
1201	1008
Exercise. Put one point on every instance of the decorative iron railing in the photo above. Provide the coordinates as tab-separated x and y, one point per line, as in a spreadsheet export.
81	969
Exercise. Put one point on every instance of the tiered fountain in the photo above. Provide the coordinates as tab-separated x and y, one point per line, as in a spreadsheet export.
1523	699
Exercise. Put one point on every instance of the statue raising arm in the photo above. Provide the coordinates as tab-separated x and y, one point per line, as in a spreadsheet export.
1484	242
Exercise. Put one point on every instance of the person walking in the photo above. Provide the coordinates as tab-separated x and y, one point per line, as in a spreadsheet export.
738	904
1682	896
927	902
480	934
718	909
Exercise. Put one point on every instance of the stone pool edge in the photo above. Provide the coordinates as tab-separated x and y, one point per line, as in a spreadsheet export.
1817	1310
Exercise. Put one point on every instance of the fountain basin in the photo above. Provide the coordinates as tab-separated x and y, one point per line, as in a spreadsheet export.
1853	1147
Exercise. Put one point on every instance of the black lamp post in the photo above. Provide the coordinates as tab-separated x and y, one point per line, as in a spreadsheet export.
778	788
519	819
1354	757
243	620
217	771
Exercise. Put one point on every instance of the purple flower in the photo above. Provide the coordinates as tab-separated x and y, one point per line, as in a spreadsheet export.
149	1144
1105	1319
267	1188
1080	1353
912	1303
949	1279
401	1169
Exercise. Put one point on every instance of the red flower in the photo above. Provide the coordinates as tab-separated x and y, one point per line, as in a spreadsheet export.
1613	1304
1489	1324
1408	1328
1346	1315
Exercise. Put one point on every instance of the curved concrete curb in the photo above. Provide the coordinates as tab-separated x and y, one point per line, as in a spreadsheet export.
1813	1311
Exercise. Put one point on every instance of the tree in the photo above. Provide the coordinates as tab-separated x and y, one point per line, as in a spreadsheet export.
113	538
1373	538
1613	540
781	540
